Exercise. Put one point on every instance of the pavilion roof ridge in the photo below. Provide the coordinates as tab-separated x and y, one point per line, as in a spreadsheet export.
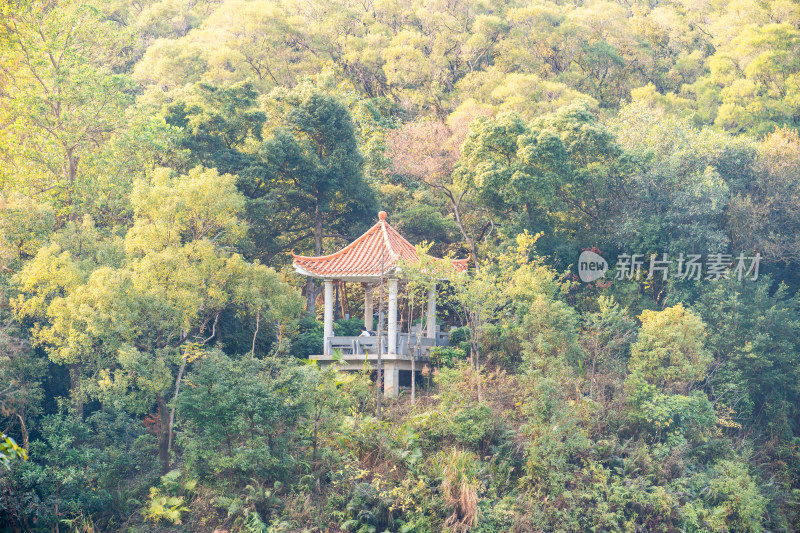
338	252
386	241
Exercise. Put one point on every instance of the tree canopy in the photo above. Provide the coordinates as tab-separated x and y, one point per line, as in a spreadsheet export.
160	160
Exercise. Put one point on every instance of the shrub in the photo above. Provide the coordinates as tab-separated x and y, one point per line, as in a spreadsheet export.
308	340
473	426
349	327
237	419
669	352
447	357
368	512
727	499
459	335
167	502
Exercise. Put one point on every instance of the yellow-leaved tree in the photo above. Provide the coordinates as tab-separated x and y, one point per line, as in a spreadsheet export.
668	361
128	315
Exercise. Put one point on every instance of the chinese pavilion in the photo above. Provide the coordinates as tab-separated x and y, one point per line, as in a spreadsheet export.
378	254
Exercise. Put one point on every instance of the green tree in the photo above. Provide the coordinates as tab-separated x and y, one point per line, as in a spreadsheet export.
670	351
675	194
256	42
21	373
133	327
240	416
513	168
667	361
312	186
82	469
43	284
559	174
63	98
752	81
219	125
25	226
753	333
768	203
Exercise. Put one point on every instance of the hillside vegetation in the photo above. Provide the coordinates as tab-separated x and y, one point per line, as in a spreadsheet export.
160	159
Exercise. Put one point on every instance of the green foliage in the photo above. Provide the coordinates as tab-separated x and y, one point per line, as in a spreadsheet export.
731	498
670	353
218	124
312	173
512	166
22	371
547	326
350	327
669	416
472	426
449	356
168	501
160	158
173	210
238	420
165	507
753	334
369	513
666	360
10	450
607	335
458	336
126	322
61	106
101	467
25	226
308	340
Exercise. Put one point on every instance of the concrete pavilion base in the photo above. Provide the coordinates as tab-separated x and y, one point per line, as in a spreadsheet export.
392	365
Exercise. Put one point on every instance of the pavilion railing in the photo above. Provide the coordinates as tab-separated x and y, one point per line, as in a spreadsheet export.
407	344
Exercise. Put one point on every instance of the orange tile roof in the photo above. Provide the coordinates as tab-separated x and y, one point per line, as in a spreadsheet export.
362	257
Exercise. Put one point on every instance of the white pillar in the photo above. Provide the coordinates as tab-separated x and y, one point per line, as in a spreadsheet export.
368	306
391	379
328	330
432	312
391	337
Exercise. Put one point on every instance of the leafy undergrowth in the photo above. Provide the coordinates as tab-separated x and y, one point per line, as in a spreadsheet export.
487	452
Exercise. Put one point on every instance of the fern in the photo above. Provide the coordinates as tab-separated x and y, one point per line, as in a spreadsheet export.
254	524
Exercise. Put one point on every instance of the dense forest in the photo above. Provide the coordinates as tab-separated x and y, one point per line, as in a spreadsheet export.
161	159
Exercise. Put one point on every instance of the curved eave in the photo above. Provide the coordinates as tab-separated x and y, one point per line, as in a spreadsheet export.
365	277
460	266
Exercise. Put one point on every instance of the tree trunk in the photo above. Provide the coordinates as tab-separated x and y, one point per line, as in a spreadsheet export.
345	300
456	205
175	400
311	298
336	306
24	430
54	527
163	433
529	212
311	289
318	231
414	377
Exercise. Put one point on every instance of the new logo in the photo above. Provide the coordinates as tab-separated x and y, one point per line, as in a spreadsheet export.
591	266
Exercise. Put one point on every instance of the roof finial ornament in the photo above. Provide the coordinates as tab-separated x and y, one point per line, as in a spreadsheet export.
382	215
